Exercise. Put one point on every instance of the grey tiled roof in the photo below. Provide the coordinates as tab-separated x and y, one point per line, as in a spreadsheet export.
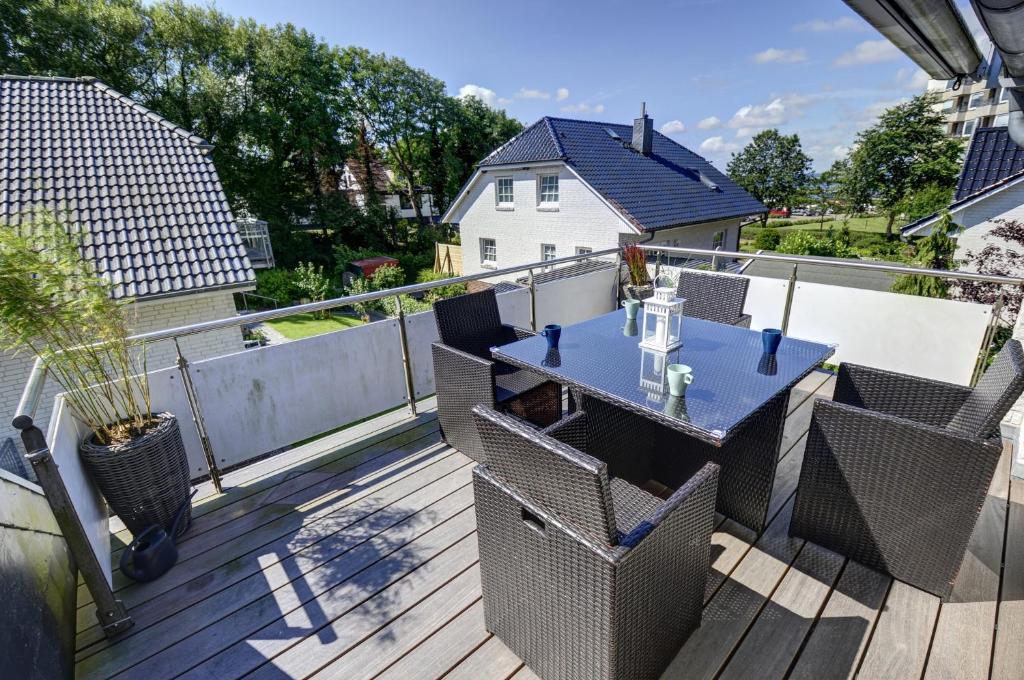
992	158
671	187
144	191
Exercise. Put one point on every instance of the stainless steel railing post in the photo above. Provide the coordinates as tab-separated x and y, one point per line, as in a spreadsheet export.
197	417
790	291
533	303
110	612
986	340
410	388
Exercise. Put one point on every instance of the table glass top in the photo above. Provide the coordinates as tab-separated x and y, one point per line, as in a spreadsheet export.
732	376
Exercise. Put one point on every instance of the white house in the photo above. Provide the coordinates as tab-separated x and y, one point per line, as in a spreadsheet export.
352	181
146	196
990	188
563	187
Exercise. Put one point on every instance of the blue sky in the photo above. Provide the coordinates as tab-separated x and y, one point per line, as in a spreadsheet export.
713	72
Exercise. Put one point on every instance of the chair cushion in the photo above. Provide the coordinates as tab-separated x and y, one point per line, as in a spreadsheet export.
992	397
632	505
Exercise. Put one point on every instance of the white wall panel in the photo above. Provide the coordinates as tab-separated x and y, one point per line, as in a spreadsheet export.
927	337
766	301
259	400
65	433
574	299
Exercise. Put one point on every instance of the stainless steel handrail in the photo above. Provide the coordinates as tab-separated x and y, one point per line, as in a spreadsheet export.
34	387
848	264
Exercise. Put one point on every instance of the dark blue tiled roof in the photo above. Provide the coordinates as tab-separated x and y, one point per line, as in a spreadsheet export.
672	186
993	157
144	191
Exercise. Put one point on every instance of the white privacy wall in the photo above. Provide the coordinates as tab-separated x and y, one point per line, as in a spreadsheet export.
927	337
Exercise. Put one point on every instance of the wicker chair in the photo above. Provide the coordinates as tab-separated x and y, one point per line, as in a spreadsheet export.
466	375
584	575
714	297
896	468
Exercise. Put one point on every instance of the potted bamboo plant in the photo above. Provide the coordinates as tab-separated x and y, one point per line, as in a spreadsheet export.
54	305
639	286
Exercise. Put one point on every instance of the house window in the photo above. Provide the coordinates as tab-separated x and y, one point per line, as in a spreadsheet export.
548	189
976	100
1004	95
718	240
583	250
403	201
503	192
488	251
968	128
1002	120
547	252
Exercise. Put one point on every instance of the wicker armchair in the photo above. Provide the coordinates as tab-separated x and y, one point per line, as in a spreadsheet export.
584	575
896	468
466	375
714	297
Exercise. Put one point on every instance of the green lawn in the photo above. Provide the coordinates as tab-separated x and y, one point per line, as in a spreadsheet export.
874	224
305	326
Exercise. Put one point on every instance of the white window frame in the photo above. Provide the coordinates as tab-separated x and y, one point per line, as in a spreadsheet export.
1001	120
541	202
964	132
488	246
548	251
498	193
718	240
583	250
971	104
1004	95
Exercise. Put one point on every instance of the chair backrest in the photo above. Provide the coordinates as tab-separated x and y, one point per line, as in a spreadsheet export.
567	483
714	297
469	322
992	397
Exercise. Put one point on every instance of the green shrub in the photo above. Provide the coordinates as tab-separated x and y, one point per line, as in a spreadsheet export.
278	284
413	263
808	243
410	305
359	286
388	276
313	285
767	239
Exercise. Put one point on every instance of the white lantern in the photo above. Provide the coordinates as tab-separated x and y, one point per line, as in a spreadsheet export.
663	320
653	382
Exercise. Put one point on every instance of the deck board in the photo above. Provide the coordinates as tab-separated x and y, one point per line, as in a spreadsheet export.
356	557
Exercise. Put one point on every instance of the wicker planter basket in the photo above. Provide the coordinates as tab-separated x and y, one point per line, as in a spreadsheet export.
146	480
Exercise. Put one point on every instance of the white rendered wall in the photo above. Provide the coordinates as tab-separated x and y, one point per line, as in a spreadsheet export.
978	219
581	220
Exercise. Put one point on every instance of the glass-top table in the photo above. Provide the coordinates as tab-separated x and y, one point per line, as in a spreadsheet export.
733	377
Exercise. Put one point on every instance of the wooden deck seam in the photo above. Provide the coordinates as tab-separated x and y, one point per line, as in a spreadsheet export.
102	644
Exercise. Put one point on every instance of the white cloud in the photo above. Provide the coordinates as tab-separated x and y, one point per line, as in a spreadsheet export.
562	94
583	107
840	151
753	117
869	52
709	123
825	25
912	79
673	127
504	101
774	55
484	94
527	93
718	145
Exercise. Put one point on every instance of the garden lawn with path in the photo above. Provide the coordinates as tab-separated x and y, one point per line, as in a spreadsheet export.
305	326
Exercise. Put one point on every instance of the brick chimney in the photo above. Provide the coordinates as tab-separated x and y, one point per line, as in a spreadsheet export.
643	132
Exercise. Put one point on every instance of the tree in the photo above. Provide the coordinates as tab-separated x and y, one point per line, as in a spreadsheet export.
399	106
773	168
903	152
1001	256
852	194
934	251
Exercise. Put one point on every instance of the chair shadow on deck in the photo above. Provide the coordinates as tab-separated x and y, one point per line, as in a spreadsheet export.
295	584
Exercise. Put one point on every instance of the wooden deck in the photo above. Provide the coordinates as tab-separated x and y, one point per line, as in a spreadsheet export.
355	557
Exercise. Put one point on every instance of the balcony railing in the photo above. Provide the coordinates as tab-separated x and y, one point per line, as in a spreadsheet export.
247	404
